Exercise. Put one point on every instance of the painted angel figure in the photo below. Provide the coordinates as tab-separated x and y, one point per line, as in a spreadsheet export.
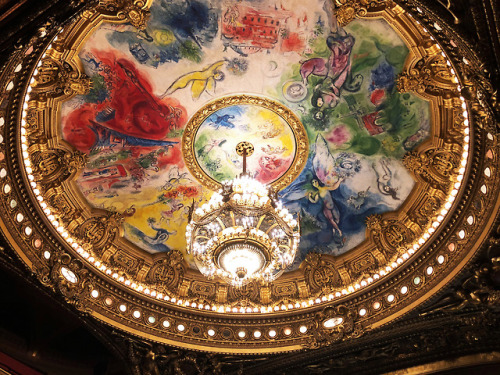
201	81
330	210
330	173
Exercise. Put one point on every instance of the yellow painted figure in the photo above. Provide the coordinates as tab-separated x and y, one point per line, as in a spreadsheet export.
202	81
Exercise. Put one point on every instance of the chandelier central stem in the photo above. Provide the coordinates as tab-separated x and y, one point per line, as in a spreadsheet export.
244	149
244	162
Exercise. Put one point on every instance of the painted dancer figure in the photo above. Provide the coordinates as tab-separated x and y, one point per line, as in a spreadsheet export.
336	71
201	81
384	178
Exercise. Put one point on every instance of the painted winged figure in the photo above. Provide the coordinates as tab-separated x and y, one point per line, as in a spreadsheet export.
328	174
327	180
200	81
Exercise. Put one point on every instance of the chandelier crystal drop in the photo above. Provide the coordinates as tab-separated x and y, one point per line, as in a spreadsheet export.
243	233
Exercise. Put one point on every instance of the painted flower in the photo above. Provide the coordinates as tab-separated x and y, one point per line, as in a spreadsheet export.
339	135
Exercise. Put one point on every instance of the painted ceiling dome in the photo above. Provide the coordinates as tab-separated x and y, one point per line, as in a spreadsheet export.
129	121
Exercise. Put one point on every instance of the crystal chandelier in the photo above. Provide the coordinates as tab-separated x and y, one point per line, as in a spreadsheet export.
243	233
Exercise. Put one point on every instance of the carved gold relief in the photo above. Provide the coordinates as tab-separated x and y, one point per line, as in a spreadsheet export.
389	235
347	10
436	166
100	232
53	166
134	12
439	69
364	263
429	75
482	95
332	325
249	293
455	130
319	273
166	273
423	212
203	289
126	262
413	81
70	278
34	126
62	205
57	79
284	290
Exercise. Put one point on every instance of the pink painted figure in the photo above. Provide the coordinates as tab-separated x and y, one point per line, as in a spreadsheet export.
335	70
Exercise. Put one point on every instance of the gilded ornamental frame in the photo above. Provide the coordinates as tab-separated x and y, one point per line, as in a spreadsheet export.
114	282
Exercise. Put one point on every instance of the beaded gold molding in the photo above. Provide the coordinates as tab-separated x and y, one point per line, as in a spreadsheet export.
79	252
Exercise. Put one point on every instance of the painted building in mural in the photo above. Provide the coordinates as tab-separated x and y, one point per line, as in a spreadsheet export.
340	82
248	31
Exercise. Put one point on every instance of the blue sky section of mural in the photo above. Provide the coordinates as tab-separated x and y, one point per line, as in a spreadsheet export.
339	81
176	30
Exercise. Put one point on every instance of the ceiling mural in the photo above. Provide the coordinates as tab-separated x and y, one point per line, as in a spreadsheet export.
215	150
339	81
120	126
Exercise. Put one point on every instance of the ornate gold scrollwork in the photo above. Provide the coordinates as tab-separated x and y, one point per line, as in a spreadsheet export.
202	289
483	96
126	262
429	75
64	207
57	79
167	273
248	293
134	12
71	279
100	231
364	263
333	325
435	166
320	274
439	69
347	10
425	209
53	166
389	235
284	290
35	129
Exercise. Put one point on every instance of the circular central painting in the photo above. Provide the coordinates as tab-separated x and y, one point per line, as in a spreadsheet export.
215	151
278	137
